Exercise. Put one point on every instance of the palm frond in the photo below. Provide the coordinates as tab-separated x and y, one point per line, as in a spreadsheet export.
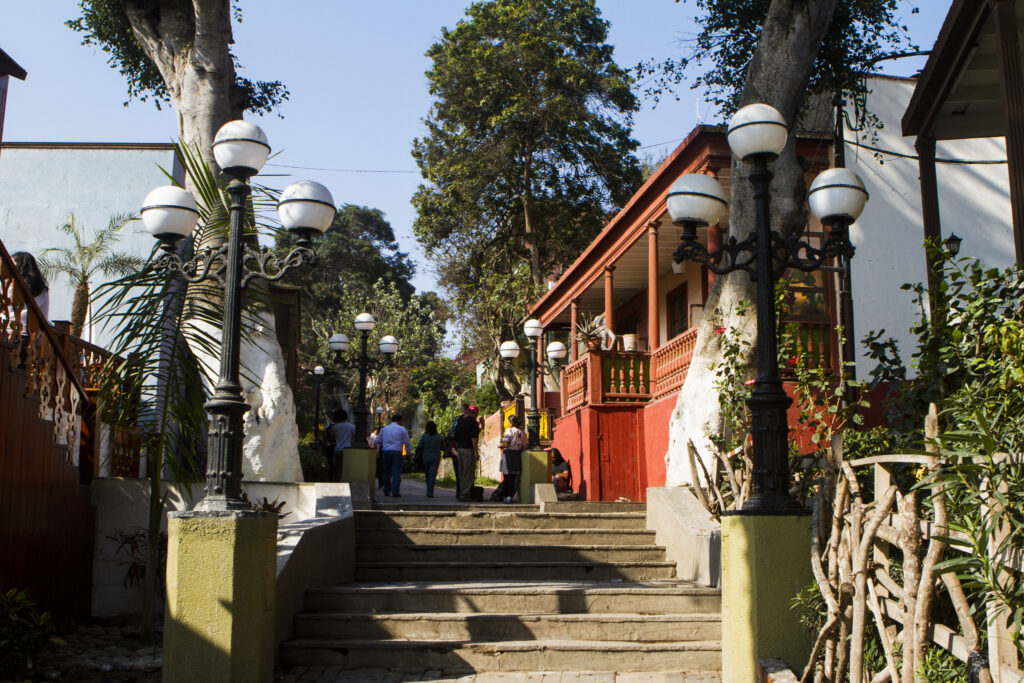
120	264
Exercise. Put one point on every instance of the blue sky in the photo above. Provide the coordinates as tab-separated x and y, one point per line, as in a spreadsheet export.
358	91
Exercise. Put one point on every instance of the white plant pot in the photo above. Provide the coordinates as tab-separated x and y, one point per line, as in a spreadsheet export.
630	342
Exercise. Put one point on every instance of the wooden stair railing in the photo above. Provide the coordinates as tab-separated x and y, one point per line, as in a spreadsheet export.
46	515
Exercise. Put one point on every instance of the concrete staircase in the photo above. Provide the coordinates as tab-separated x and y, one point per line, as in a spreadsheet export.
502	588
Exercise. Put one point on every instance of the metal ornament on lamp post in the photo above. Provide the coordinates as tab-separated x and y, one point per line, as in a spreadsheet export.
388	347
757	134
169	213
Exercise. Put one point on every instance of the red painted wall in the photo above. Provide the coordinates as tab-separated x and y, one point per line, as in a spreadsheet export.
656	418
570	432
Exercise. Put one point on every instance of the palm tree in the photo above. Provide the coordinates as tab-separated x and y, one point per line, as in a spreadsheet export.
82	261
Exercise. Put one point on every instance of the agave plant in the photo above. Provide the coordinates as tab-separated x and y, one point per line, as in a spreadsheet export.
155	383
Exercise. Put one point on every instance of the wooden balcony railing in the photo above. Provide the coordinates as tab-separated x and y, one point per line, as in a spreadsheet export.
816	341
602	377
625	377
670	363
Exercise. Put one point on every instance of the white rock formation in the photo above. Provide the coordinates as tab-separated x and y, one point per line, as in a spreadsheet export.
270	448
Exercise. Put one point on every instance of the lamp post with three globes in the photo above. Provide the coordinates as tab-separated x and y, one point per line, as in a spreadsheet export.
556	352
757	134
169	213
388	347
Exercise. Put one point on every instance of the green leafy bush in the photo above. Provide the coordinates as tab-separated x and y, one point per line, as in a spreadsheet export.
23	631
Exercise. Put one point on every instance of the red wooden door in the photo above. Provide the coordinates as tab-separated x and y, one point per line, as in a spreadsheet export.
618	451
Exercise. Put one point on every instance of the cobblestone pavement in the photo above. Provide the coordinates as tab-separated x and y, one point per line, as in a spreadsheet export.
99	652
329	674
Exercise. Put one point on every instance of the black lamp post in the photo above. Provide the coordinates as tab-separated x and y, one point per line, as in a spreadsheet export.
388	347
757	134
556	352
170	213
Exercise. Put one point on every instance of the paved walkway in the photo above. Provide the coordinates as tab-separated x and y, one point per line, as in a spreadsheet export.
415	493
324	674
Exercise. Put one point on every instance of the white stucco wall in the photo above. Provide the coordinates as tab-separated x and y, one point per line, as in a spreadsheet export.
42	183
974	202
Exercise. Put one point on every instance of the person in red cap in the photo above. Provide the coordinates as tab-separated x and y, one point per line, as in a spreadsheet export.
467	435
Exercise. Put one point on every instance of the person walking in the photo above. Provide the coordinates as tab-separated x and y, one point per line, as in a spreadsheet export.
340	433
431	444
392	438
467	434
512	442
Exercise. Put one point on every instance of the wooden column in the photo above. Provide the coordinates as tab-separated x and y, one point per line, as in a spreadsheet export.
574	349
1012	86
609	301
653	296
925	146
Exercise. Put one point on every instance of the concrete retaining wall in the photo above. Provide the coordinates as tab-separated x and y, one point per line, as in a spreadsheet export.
123	505
692	538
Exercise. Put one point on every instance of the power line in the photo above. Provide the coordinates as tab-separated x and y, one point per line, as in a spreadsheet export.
339	170
940	160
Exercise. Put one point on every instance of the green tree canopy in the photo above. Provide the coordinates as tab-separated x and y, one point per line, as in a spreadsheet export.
108	25
860	32
356	251
528	148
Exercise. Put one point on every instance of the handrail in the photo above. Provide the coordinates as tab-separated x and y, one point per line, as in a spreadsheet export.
51	378
88	357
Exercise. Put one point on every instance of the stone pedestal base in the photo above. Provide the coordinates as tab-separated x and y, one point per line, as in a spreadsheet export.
536	470
221	587
766	560
360	465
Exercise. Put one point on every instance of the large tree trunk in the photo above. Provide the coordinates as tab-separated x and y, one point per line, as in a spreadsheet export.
190	44
777	75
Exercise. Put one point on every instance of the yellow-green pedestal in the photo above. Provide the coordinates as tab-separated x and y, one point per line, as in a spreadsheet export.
360	464
766	560
221	583
536	470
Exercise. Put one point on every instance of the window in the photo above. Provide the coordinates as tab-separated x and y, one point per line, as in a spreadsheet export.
678	308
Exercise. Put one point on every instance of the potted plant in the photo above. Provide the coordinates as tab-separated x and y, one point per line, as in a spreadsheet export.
590	330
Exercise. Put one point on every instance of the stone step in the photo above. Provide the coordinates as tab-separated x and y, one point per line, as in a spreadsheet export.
429	536
480	519
520	655
638	628
521	597
533	571
496	554
387	506
595	506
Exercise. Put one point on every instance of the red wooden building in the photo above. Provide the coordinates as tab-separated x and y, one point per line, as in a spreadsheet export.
613	406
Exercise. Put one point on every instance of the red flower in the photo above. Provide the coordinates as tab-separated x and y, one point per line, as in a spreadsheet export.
719	330
792	361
